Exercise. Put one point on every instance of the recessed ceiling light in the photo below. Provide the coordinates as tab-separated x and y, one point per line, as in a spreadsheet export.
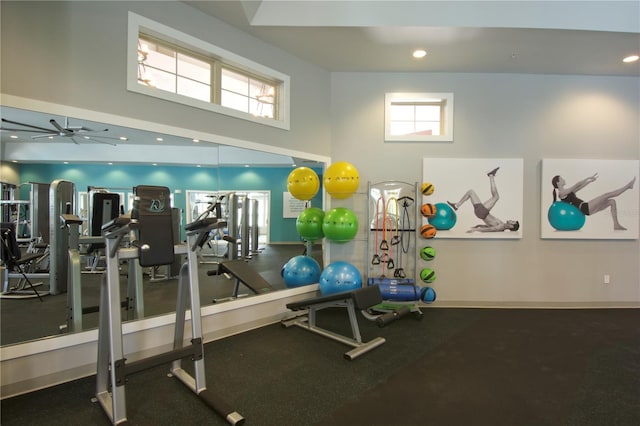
111	164
196	140
154	164
159	139
65	162
124	138
246	165
14	161
419	53
198	165
13	137
631	58
87	137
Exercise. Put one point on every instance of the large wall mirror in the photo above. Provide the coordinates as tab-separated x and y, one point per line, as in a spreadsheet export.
42	148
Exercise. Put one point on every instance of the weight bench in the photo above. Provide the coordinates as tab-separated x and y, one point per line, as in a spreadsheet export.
360	299
245	274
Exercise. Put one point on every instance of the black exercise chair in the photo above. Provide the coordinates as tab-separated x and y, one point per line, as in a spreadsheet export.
17	263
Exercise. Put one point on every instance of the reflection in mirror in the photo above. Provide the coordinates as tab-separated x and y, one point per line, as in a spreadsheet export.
198	174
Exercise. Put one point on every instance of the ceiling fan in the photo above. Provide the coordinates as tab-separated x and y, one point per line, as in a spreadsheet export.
66	131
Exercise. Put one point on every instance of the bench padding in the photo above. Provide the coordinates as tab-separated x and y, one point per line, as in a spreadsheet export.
363	298
246	275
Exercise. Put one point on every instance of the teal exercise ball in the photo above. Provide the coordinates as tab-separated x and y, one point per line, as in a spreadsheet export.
428	295
309	224
565	217
445	217
300	270
338	277
340	225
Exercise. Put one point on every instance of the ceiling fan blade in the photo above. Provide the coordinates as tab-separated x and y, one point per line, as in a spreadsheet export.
61	129
88	130
46	135
102	137
22	130
4	120
95	139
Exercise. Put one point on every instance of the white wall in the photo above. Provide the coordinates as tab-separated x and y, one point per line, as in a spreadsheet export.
502	116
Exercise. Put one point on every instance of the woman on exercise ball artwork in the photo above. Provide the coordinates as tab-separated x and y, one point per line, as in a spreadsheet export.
595	205
590	199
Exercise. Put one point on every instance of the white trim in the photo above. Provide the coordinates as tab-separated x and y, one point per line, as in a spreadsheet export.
447	135
137	22
118	120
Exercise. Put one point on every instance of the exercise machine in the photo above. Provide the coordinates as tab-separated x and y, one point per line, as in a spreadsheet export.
243	274
360	299
62	200
134	302
152	244
104	207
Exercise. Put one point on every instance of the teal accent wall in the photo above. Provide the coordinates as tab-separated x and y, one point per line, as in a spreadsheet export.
180	178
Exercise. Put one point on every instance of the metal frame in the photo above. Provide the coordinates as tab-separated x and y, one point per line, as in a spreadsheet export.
308	322
112	368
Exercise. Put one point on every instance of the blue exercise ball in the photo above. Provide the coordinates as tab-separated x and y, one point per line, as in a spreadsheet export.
565	217
338	277
445	217
300	270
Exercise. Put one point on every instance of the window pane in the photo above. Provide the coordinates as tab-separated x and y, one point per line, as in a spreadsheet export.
401	128
193	89
161	80
235	101
401	112
428	112
428	128
260	109
160	57
235	82
194	69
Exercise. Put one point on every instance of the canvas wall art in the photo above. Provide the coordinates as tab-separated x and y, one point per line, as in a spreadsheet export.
475	198
589	199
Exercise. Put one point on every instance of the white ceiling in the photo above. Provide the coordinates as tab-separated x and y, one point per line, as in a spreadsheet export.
551	37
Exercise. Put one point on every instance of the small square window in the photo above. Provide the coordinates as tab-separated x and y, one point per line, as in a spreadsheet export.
419	117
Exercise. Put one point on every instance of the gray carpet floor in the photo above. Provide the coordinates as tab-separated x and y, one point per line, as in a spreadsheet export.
454	367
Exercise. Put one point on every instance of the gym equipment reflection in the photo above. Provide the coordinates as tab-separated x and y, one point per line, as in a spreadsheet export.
83	260
263	251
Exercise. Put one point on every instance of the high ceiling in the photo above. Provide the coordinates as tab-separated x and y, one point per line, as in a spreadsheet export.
550	37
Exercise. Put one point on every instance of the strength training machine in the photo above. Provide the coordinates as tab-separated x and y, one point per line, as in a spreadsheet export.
152	244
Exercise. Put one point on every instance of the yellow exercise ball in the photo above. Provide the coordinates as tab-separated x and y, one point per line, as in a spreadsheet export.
341	179
303	183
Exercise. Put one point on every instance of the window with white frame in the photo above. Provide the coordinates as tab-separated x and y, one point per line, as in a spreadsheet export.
174	66
421	117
